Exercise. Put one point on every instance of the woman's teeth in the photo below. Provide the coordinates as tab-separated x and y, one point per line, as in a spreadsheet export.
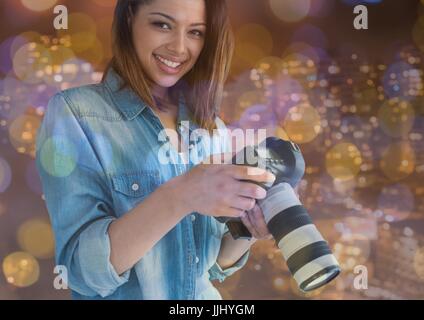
168	62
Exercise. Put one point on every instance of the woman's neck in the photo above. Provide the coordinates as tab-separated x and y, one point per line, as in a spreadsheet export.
160	93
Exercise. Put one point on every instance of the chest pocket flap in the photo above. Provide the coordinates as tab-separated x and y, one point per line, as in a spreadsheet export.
137	184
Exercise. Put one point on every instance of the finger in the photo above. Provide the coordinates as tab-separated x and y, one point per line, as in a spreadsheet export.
258	219
219	158
249	226
250	190
252	173
244	203
253	224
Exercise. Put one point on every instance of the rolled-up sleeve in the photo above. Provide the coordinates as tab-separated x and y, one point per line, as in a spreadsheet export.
78	200
217	273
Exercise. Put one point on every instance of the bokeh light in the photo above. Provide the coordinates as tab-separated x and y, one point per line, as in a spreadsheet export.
30	62
343	161
302	123
257	117
38	5
290	10
24	38
270	66
398	161
59	156
59	70
304	50
396	117
81	32
281	284
253	42
352	250
35	236
23	133
286	93
402	80
21	269
249	99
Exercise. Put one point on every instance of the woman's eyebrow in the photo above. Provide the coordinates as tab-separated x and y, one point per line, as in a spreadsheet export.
173	19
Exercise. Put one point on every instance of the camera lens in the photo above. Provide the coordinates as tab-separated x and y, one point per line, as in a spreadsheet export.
307	254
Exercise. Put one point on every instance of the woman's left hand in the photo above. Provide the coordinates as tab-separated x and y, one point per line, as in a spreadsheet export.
255	222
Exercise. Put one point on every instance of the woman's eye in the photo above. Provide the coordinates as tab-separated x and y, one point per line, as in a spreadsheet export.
161	25
197	33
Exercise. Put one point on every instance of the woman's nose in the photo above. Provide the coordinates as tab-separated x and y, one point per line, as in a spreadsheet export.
178	45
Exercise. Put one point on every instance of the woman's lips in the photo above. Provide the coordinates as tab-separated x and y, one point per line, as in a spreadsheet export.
165	68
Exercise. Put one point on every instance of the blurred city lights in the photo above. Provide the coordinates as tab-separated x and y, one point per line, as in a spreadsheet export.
358	117
35	236
38	5
21	269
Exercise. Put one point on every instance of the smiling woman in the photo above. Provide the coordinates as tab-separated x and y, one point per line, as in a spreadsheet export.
179	45
173	43
126	225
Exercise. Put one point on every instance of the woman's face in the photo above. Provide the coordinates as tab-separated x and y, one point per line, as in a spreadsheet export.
168	37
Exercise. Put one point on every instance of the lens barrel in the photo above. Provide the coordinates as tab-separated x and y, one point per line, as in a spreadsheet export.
307	254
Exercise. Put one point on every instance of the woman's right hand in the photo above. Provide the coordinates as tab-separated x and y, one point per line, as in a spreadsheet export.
218	190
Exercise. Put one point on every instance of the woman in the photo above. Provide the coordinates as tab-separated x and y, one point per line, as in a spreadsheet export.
127	224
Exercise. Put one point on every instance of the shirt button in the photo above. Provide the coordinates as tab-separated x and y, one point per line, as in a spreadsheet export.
197	260
193	217
135	187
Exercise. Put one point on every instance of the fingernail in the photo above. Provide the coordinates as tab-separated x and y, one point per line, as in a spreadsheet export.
254	171
270	177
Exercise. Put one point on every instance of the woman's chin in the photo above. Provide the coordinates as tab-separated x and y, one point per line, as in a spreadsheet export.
166	82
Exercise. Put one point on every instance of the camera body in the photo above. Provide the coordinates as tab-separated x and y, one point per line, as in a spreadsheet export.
281	157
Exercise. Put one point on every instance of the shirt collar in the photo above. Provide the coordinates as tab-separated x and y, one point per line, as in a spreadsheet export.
131	105
124	98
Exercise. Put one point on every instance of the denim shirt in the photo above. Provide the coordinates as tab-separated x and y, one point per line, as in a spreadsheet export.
97	156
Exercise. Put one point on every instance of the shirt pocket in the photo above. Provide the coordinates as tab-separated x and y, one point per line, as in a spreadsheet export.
129	189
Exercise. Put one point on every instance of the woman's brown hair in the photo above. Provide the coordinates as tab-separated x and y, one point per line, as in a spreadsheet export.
203	85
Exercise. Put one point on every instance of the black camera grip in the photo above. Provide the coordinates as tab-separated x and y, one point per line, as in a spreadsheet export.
238	230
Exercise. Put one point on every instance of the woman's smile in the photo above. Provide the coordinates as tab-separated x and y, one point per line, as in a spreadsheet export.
167	65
